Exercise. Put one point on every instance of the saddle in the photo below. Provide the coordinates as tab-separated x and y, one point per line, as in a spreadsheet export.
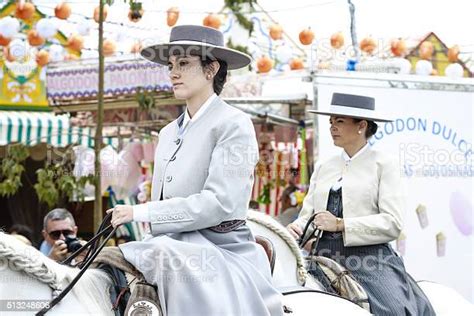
269	250
332	275
130	292
338	279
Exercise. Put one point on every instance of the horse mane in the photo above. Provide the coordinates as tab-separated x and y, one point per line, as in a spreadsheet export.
92	287
280	230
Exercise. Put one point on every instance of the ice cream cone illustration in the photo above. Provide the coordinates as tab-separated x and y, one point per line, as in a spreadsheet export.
440	244
422	215
401	244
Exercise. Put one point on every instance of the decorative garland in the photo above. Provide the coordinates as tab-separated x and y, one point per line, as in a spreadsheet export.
236	7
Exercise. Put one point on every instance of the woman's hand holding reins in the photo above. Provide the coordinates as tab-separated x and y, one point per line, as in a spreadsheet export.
121	214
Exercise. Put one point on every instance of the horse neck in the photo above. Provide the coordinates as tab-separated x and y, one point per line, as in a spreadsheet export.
22	260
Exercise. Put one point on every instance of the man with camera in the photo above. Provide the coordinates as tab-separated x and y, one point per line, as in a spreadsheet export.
59	233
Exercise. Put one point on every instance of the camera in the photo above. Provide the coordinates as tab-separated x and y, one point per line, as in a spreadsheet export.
73	244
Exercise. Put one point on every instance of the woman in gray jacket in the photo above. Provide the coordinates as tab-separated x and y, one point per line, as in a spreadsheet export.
358	199
201	255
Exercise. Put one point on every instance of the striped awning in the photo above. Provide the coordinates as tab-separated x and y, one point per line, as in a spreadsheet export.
31	128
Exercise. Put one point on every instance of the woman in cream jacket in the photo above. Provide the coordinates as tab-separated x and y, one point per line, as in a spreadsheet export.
358	199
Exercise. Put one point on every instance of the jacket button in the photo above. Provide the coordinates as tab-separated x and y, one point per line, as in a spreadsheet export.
169	178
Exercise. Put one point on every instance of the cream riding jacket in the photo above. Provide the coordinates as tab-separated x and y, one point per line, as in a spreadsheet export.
372	196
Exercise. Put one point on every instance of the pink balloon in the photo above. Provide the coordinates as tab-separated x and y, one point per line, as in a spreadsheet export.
461	212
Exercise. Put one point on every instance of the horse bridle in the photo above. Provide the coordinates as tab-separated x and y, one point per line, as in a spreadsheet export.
89	258
310	230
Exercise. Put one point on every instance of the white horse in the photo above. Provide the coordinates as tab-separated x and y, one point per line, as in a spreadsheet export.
290	271
27	280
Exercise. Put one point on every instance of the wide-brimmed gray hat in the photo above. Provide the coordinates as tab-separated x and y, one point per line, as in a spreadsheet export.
196	40
356	106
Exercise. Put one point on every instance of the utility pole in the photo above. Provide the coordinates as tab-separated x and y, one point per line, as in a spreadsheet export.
355	44
100	117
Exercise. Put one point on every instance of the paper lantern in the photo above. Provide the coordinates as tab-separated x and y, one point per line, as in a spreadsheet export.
172	16
296	64
109	47
368	45
75	42
212	20
46	28
6	54
398	47
9	27
62	11
34	38
426	50
454	71
24	10
264	64
4	41
276	31
306	36
453	53
337	40
42	58
104	13
423	68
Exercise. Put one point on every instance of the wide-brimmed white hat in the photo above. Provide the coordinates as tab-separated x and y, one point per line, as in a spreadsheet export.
197	40
356	106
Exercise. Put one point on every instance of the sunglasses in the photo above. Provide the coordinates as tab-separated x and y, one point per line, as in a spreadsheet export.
55	234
